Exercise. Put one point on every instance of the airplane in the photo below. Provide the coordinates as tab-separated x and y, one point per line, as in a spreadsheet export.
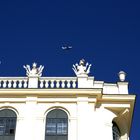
66	47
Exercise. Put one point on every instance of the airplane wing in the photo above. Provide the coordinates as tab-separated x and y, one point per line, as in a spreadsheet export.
64	48
69	47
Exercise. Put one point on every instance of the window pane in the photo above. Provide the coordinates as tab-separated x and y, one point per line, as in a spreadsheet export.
2	126
12	126
51	127
7	128
62	127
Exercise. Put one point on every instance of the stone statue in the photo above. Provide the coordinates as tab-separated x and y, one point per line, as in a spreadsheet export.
82	69
34	71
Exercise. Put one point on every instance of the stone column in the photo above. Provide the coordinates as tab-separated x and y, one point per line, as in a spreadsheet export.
72	129
84	125
20	129
26	127
40	128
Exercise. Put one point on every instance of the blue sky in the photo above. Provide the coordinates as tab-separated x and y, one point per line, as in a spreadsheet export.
105	33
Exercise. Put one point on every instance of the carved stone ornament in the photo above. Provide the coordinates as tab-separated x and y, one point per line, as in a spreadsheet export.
82	69
122	76
34	71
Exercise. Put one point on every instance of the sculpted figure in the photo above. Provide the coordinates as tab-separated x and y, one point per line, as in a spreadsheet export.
82	69
34	71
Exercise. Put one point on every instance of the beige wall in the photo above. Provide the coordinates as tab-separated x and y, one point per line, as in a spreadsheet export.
90	116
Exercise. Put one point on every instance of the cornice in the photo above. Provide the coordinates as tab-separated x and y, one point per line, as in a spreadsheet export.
51	92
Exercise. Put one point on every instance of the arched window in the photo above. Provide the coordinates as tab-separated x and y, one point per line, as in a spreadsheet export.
56	125
116	132
7	124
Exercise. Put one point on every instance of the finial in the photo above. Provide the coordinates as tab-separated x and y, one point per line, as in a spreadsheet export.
122	76
34	71
82	69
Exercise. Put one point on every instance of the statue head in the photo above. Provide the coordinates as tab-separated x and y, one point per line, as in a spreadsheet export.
34	65
82	62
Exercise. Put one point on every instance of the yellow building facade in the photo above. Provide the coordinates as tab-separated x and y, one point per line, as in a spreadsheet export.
64	108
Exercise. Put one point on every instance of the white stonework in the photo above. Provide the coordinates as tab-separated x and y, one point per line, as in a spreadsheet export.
91	106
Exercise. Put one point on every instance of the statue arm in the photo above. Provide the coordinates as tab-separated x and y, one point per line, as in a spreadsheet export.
40	69
27	68
88	70
87	65
75	69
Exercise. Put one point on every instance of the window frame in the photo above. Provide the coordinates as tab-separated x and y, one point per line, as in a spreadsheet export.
59	119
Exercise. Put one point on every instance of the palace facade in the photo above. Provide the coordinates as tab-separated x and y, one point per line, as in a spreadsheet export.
64	108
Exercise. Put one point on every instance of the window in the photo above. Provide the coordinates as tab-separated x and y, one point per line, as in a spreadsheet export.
7	124
116	132
56	125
